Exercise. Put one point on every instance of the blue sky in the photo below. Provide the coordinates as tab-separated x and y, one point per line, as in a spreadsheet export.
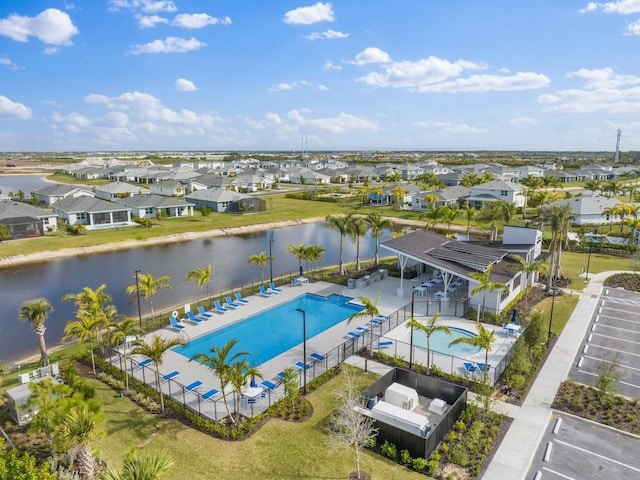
345	75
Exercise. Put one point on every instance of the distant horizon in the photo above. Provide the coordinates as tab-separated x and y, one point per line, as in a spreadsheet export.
382	76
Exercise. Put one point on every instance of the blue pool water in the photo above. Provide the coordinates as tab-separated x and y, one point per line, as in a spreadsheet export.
274	331
439	342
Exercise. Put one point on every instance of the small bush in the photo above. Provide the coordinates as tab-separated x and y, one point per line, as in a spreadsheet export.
389	450
419	464
405	457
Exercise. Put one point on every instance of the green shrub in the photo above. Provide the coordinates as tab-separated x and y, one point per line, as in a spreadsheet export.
405	457
389	450
419	464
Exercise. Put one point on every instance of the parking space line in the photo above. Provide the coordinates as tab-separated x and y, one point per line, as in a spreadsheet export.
614	350
628	312
631	467
618	328
618	318
558	473
624	367
620	339
619	381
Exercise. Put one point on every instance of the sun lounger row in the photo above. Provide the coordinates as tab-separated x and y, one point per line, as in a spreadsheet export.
192	387
478	368
267	292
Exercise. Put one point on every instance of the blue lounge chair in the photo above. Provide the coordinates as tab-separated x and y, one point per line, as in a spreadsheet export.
301	365
144	363
317	357
385	344
375	321
170	376
209	394
193	386
231	303
269	385
219	308
362	329
193	318
203	313
241	300
263	291
469	368
175	325
273	288
352	335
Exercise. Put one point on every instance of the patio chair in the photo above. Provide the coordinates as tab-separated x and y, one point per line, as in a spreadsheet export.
170	376
193	386
144	363
207	395
174	325
219	308
264	292
300	365
469	368
193	318
362	330
352	335
203	313
231	303
241	300
317	357
273	288
385	344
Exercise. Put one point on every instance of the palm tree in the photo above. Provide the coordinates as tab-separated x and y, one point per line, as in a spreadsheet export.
377	224
399	193
611	213
469	214
260	260
89	300
470	180
485	285
341	225
532	182
508	210
118	333
314	255
298	251
155	350
357	230
613	187
239	375
484	340
149	287
220	363
84	329
81	424
449	216
370	310
35	312
492	212
526	268
558	218
141	465
592	185
202	277
433	214
429	328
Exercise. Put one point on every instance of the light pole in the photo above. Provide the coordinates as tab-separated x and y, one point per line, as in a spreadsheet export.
413	295
304	350
586	277
553	302
271	258
138	298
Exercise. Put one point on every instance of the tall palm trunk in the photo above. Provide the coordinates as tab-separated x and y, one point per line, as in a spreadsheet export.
44	355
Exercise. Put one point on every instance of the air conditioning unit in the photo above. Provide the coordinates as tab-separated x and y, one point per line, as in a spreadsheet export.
23	378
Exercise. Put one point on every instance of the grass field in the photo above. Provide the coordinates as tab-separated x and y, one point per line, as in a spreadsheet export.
573	263
279	449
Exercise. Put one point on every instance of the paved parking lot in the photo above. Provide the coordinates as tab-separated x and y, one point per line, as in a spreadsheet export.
577	449
614	334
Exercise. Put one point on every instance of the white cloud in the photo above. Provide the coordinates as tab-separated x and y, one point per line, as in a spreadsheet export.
147	6
452	128
150	21
295	122
604	78
326	35
371	55
329	65
198	20
488	83
591	6
284	86
13	109
51	26
185	85
634	28
51	50
623	7
7	62
168	45
323	88
320	12
521	121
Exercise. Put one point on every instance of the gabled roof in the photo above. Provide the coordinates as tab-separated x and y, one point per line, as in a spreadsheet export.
87	204
452	193
217	195
59	189
454	256
120	187
498	185
9	208
153	201
587	204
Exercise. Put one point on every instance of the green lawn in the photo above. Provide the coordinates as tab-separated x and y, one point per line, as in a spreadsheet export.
562	310
278	450
573	263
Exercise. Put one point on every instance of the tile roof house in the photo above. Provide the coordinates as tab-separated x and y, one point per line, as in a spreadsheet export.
588	209
26	221
115	190
495	190
226	201
148	206
92	212
450	196
58	191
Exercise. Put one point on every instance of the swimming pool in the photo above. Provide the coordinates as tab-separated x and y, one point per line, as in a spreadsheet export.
439	342
274	331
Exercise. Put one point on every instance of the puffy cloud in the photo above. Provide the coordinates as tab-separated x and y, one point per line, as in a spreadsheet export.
51	26
150	21
13	109
185	85
487	83
521	121
329	65
623	7
326	35
604	77
634	28
295	122
320	12
452	128
323	88
168	45
7	62
371	55
198	20
147	6
284	86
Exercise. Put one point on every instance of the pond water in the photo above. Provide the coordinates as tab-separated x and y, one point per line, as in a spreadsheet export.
26	183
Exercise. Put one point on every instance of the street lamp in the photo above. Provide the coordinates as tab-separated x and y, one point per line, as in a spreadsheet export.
138	298
413	295
553	302
271	258
586	276
304	350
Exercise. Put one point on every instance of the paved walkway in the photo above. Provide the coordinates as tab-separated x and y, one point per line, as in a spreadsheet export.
514	457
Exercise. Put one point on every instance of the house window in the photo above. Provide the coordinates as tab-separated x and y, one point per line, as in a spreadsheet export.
504	294
503	193
516	281
148	210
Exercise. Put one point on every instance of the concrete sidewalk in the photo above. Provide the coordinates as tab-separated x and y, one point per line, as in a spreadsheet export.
514	457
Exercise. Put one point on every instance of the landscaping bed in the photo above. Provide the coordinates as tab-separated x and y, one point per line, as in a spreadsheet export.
628	281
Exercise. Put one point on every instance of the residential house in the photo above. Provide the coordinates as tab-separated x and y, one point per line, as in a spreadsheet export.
588	209
567	176
51	194
304	176
450	196
496	190
115	190
251	183
168	188
226	201
452	179
148	206
24	220
208	182
92	212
